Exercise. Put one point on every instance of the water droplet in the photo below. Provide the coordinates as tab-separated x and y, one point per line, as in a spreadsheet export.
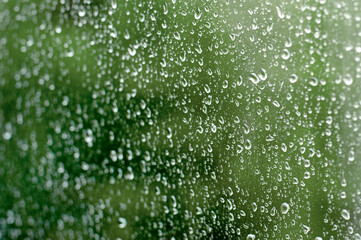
132	51
306	229
280	12
285	208
284	147
169	133
254	206
81	11
198	14
207	88
313	81
113	4
240	80
254	78
122	222
70	53
351	156
348	80
248	144
213	128
239	149
276	103
126	34
293	78
225	84
345	214
288	43
285	54
7	135
251	237
263	74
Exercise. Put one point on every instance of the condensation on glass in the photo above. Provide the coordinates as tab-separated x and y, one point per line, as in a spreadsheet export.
217	119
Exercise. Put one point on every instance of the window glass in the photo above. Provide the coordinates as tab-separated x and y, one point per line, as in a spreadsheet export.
216	119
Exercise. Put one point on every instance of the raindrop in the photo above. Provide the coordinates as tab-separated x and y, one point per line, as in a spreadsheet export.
254	206
251	237
132	51
198	14
345	214
306	229
313	81
248	144
240	80
113	4
263	75
351	156
254	78
293	78
348	80
285	54
280	13
285	208
122	222
284	147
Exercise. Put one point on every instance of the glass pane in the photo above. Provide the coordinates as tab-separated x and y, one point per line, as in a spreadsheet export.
217	119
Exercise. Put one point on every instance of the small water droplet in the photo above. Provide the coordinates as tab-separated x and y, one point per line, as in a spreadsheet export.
284	147
240	80
251	237
132	51
198	14
263	74
280	12
285	54
254	206
293	78
285	208
113	4
351	156
81	11
345	214
248	144
348	80
306	229
313	81
122	222
254	78
225	84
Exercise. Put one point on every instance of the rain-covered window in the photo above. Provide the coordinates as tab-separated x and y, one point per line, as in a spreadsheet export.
172	119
